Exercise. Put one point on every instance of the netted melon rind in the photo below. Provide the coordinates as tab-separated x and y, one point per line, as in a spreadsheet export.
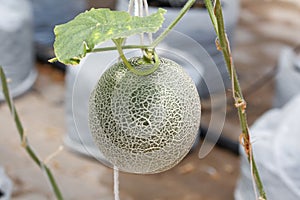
144	124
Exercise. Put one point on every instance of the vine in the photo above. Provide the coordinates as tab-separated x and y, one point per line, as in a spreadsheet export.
222	43
24	140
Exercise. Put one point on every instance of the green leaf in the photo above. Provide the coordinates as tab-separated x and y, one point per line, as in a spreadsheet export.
79	36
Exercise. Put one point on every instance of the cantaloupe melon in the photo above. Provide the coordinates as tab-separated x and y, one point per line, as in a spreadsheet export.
144	124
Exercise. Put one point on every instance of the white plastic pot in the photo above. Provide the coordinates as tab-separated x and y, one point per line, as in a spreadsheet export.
5	185
288	77
48	13
16	49
79	83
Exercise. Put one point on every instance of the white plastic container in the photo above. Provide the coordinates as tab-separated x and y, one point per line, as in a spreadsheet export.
48	13
5	186
16	49
288	77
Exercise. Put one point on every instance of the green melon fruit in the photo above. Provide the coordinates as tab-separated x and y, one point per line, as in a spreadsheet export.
144	124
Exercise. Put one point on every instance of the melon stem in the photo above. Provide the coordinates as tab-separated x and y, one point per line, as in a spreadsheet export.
146	58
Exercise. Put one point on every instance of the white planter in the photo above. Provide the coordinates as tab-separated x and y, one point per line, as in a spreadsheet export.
80	81
48	13
288	77
16	49
5	185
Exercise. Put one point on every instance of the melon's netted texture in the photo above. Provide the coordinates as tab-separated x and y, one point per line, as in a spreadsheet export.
144	124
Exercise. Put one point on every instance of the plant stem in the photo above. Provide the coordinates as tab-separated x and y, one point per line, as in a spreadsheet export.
223	43
23	137
186	7
118	43
123	47
212	16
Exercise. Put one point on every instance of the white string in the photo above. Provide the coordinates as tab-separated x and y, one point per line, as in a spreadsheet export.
138	11
147	14
116	183
140	8
146	7
136	7
130	6
141	11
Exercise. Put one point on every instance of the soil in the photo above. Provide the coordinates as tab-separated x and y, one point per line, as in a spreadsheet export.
264	29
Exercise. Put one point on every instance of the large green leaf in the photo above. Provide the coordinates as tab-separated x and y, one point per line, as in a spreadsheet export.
79	36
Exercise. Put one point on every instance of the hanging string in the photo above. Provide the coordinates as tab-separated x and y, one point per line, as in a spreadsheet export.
136	7
116	183
130	6
140	8
146	7
138	11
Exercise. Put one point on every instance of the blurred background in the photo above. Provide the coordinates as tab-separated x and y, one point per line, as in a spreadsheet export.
265	39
